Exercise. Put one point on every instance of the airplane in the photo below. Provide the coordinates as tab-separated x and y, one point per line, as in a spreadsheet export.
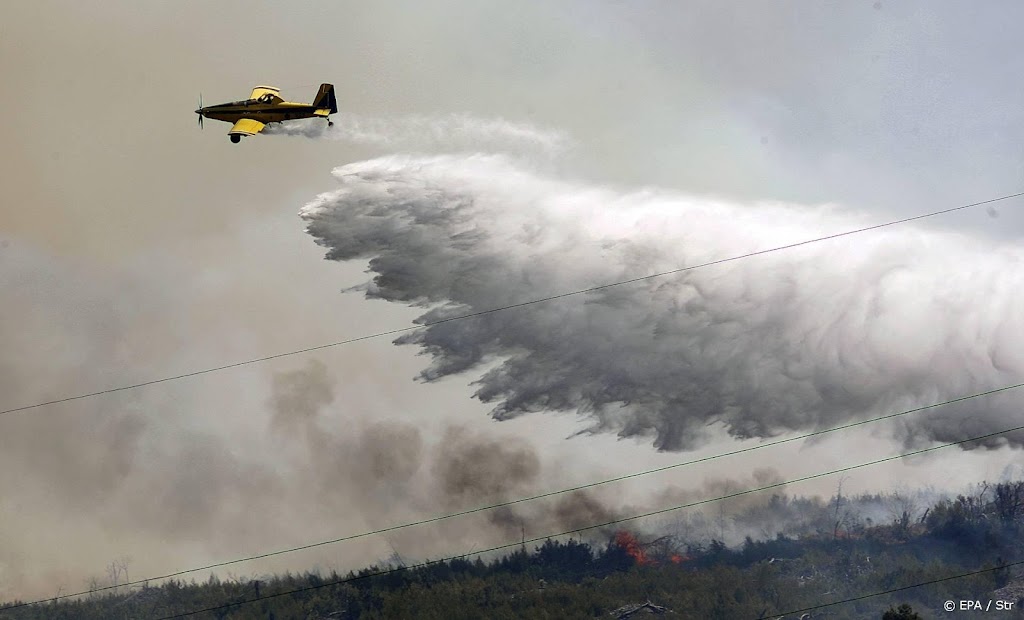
264	106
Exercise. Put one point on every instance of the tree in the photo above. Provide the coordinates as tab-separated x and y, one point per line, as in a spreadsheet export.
1009	501
837	520
903	509
903	612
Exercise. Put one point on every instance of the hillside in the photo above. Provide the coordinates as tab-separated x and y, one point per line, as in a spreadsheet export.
631	575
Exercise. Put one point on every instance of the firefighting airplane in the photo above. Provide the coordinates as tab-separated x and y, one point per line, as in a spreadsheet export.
265	105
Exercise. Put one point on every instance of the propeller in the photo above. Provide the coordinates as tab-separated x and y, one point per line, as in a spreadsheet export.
200	110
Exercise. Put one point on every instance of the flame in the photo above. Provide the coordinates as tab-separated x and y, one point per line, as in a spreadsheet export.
636	550
628	543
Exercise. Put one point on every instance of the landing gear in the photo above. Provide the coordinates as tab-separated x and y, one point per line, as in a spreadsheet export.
330	123
236	138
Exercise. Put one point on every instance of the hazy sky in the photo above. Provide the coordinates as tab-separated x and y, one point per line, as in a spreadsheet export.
135	246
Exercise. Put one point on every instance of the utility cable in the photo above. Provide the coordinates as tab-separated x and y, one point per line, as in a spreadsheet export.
592	527
525	499
508	307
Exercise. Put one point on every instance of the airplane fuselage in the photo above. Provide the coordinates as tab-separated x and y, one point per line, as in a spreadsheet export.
262	112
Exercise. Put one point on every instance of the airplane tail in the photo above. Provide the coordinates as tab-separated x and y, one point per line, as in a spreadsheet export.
325	99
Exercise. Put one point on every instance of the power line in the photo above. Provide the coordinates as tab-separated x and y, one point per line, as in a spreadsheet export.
894	590
526	499
508	307
593	527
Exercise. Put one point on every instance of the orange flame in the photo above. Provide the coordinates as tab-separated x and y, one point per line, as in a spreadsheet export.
628	543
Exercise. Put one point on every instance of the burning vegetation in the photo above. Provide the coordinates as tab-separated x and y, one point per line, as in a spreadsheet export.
657	551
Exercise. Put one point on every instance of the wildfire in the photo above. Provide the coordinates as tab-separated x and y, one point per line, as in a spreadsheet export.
628	543
638	551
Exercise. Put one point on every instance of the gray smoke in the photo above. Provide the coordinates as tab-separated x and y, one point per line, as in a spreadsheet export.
126	474
298	395
385	471
477	469
795	340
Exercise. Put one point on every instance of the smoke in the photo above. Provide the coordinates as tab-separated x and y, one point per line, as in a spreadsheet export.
121	475
455	132
795	340
298	395
484	470
385	471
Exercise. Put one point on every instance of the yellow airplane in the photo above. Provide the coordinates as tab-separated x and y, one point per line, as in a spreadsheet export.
264	106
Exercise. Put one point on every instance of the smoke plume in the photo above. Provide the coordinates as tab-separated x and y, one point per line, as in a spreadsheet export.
383	471
794	340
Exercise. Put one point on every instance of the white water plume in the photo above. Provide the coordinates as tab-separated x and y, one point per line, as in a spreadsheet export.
452	132
795	340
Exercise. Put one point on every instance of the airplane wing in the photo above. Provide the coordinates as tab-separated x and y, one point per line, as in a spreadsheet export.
246	127
259	91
